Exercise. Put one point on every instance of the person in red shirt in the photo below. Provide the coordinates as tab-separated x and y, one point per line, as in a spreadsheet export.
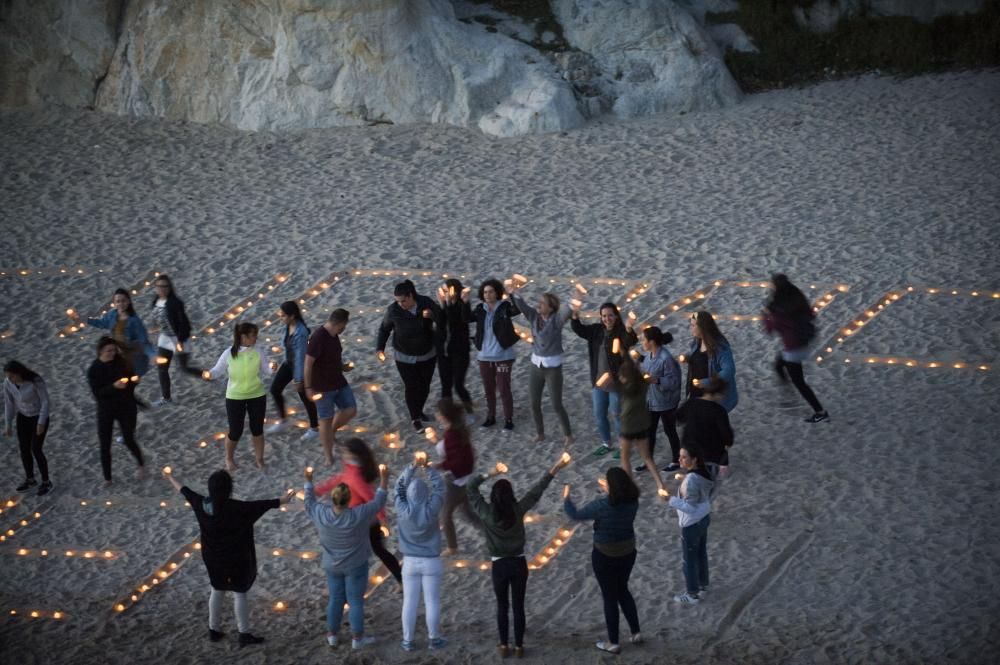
325	383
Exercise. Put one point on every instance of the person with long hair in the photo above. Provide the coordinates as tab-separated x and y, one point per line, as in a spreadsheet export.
359	473
710	355
663	374
635	419
706	425
171	319
453	363
547	321
418	332
246	364
125	326
343	534
113	385
693	503
227	547
789	314
417	509
292	369
458	459
494	339
608	343
325	380
503	525
614	551
26	407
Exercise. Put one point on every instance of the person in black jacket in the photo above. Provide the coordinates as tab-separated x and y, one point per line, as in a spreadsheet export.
453	363
706	424
418	333
227	547
113	384
605	357
170	317
495	339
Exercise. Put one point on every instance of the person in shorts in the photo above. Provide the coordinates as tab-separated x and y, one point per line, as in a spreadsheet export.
325	383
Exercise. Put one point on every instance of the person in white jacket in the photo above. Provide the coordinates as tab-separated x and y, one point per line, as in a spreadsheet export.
694	506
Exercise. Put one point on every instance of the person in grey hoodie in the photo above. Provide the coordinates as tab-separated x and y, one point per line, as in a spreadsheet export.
419	535
547	322
343	535
693	504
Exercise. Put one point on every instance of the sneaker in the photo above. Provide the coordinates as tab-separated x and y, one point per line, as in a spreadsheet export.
508	425
468	407
608	646
636	638
163	401
702	591
332	640
616	453
278	427
437	643
818	417
489	422
28	483
503	650
44	488
406	645
673	466
518	652
361	643
418	426
215	635
640	468
601	450
249	638
310	435
687	599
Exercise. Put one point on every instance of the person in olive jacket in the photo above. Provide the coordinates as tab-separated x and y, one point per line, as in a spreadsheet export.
495	339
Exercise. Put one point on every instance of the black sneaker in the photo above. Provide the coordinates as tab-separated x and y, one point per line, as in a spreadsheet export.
418	426
44	488
640	468
28	483
508	425
818	417
215	635
468	407
673	466
427	419
249	638
490	422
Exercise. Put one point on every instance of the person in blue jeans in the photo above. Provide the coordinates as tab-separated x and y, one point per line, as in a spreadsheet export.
127	329
693	504
343	534
614	551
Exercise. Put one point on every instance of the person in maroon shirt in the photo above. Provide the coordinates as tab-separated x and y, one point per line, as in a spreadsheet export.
325	382
458	459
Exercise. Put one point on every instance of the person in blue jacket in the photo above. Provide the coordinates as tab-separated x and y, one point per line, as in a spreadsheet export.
292	370
710	355
127	329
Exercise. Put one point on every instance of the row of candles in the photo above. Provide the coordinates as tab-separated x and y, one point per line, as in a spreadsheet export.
76	325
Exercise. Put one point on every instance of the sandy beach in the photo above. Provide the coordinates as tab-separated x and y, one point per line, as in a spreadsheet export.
865	539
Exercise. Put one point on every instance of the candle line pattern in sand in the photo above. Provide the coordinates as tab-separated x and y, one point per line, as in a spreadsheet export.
9	502
75	324
242	305
10	532
16	613
77	271
157	577
66	552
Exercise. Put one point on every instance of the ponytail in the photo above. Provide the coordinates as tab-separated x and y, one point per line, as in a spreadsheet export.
239	330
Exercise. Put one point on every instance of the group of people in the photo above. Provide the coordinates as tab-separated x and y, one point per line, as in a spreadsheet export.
633	394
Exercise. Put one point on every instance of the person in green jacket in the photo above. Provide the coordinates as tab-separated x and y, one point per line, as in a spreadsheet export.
503	524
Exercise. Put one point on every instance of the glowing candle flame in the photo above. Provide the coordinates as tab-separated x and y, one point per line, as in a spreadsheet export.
501	467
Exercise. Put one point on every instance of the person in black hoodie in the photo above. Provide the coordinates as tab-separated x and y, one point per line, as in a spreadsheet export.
453	363
113	384
706	424
495	339
418	333
170	317
227	547
605	358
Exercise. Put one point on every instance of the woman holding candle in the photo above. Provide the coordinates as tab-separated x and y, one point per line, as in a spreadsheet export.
227	547
789	314
706	425
417	511
246	364
635	419
710	355
453	363
614	551
343	533
127	329
171	318
113	384
663	374
693	504
494	340
26	405
458	459
295	340
608	343
359	474
418	334
547	322
503	525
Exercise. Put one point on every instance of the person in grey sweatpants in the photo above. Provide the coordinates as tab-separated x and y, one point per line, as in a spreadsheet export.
547	321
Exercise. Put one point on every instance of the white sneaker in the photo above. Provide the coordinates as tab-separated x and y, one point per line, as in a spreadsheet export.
163	401
365	641
332	640
608	646
636	639
687	599
310	435
278	427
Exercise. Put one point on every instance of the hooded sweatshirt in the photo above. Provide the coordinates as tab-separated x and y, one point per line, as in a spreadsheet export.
343	536
417	511
694	500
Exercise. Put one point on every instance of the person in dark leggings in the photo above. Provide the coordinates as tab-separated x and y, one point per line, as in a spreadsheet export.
453	364
418	333
170	317
291	370
614	552
113	384
789	314
663	374
26	406
503	525
360	474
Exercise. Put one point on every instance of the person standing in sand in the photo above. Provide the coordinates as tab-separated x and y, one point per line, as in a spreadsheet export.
663	374
789	314
246	364
458	458
26	409
503	526
174	327
292	370
693	504
547	322
494	340
227	547
453	363
418	332
706	425
325	382
127	329
113	384
635	419
614	551
710	355
607	344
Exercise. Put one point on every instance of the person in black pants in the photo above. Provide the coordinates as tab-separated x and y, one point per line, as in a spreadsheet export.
175	330
295	341
453	363
418	333
113	384
26	405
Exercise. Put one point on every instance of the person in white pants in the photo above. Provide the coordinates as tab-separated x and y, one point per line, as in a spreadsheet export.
419	538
